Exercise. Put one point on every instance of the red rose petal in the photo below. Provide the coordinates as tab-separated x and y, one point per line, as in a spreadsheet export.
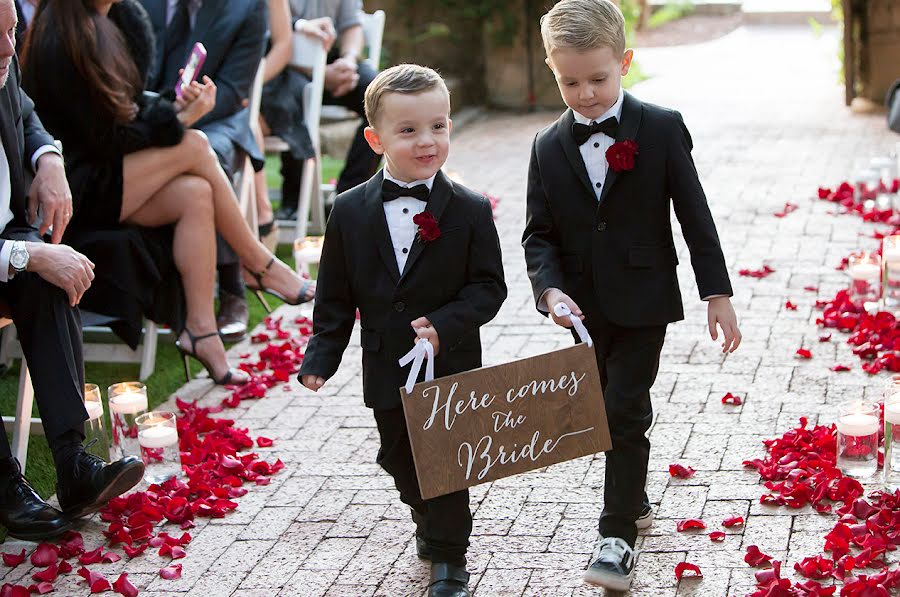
44	555
171	572
96	581
717	536
754	557
690	523
65	567
683	567
733	521
8	590
123	586
134	551
12	560
42	588
91	557
730	398
840	368
263	442
790	306
804	353
48	574
682	472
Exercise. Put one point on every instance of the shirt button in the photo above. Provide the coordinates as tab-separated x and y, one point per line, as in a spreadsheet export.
596	145
406	210
399	306
601	226
599	184
405	250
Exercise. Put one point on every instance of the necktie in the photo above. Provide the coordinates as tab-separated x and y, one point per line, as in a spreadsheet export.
391	190
175	48
583	132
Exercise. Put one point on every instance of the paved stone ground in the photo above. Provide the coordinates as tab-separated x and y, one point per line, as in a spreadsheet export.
766	112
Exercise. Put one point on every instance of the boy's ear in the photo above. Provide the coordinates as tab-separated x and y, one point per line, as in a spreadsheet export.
626	61
449	125
374	140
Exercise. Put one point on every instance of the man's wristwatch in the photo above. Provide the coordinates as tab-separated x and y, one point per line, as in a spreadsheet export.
18	257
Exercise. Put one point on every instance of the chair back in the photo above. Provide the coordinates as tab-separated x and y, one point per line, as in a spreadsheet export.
256	91
373	30
309	55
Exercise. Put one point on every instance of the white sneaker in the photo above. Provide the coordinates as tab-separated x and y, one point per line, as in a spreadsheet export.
645	519
614	566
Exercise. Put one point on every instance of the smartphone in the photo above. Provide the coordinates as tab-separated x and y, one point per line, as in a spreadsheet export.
192	68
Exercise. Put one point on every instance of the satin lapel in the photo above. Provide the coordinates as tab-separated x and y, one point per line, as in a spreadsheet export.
441	191
375	211
573	154
631	120
10	139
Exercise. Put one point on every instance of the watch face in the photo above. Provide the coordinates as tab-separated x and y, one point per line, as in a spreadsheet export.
18	258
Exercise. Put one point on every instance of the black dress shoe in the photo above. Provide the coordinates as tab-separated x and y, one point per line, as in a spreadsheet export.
448	580
232	317
22	511
89	482
422	548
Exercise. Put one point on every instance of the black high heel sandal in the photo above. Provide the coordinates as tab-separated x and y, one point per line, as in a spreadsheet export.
186	356
260	288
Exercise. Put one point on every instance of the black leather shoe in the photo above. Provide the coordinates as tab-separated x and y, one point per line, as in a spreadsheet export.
90	482
422	548
24	514
232	317
448	581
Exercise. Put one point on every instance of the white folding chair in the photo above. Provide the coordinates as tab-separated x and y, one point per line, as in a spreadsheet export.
310	55
22	424
247	183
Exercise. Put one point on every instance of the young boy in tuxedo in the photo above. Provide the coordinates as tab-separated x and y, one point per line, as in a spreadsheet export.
598	238
440	283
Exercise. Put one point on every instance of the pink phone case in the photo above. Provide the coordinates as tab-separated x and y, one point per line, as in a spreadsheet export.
192	68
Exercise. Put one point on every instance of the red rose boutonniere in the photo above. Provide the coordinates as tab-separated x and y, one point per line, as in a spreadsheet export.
428	226
620	156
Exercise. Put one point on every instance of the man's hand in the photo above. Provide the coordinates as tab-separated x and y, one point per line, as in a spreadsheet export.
424	329
554	296
204	100
321	29
340	77
312	382
50	192
62	266
719	310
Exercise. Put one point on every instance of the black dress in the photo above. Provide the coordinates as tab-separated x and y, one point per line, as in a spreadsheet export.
135	274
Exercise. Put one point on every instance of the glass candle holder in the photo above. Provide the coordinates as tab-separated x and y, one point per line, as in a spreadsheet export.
95	440
864	269
892	433
158	438
307	250
127	400
890	259
857	438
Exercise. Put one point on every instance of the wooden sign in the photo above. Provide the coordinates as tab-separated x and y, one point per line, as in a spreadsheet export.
498	421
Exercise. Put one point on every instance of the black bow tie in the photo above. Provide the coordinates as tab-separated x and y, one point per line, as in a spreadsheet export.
391	190
583	132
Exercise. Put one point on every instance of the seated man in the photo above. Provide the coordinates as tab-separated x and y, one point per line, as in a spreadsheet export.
42	283
336	23
233	33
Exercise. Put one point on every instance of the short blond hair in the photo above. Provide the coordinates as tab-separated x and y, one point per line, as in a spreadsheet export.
584	25
403	78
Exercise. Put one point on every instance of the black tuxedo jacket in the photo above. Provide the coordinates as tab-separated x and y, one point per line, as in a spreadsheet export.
233	33
616	257
21	133
456	281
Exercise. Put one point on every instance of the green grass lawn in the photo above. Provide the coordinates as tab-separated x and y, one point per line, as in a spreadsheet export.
168	376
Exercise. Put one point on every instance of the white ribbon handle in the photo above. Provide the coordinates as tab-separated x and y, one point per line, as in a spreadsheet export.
562	310
422	350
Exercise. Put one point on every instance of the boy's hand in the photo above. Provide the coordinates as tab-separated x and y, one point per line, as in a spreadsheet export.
554	296
312	382
719	310
424	329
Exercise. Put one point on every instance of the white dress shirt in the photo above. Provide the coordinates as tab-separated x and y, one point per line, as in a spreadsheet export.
399	215
593	152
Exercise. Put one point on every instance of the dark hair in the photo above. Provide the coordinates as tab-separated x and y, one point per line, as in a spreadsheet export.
96	48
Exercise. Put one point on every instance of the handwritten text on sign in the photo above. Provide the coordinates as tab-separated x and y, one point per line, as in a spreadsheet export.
499	421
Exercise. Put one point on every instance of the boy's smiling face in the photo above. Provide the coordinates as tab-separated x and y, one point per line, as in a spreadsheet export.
413	133
589	80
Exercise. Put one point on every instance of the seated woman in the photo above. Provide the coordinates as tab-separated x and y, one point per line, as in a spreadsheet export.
130	161
281	110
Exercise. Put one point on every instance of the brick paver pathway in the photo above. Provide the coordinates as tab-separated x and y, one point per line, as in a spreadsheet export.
765	109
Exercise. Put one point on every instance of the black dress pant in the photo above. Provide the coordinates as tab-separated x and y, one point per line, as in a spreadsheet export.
361	162
447	520
628	359
49	331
